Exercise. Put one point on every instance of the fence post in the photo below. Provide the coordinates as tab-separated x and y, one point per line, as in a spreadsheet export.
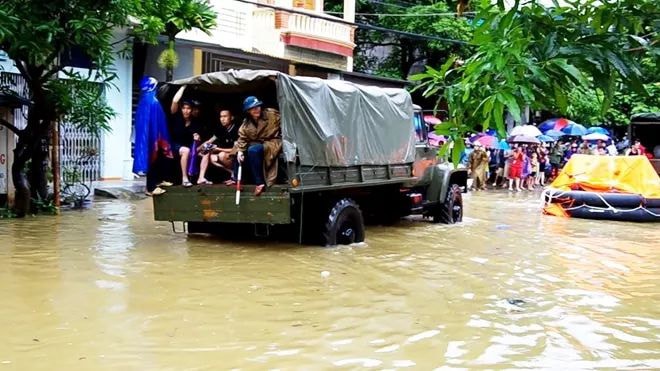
55	158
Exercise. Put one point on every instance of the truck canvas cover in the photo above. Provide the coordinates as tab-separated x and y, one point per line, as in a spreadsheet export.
332	123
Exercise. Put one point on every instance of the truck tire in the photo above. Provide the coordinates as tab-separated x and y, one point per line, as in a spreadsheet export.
344	224
451	211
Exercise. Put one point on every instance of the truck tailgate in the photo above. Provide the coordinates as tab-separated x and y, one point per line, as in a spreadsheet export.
217	203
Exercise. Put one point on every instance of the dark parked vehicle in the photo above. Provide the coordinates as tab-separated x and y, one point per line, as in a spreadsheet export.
646	128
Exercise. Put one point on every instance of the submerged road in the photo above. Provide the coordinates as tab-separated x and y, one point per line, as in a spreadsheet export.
110	289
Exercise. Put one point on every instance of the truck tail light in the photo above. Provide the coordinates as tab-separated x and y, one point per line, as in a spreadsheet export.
416	198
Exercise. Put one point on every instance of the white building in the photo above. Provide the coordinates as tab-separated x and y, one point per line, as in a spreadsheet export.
292	36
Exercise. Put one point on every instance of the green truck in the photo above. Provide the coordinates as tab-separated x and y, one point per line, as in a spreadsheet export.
351	154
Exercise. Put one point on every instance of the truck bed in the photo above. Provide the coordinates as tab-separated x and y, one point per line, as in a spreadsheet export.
217	203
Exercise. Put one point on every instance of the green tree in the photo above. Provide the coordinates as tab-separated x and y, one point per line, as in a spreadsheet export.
172	17
423	17
585	105
532	55
36	35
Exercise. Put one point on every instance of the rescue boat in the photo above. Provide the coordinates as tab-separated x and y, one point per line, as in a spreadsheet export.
621	188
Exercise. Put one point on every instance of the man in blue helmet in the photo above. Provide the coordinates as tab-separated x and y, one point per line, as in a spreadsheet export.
259	143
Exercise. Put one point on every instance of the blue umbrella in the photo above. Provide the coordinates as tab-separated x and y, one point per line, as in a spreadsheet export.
555	124
598	130
504	145
554	133
546	138
575	130
491	132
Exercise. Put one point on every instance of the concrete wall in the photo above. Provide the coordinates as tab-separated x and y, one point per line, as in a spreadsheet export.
116	145
183	70
7	144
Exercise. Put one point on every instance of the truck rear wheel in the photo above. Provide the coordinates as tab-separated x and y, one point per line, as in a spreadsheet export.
451	211
344	224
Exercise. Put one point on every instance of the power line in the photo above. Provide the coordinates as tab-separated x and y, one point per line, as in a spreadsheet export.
410	35
407	14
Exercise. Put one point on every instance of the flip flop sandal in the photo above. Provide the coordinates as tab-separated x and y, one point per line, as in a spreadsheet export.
258	190
165	184
205	182
230	182
187	184
158	191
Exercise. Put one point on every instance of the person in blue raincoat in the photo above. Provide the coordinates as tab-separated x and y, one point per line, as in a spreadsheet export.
152	143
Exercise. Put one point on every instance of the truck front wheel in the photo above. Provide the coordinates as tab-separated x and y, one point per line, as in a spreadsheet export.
451	211
344	224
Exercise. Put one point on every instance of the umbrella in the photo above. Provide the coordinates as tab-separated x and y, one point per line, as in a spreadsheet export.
598	129
488	141
596	136
524	139
473	138
430	119
555	124
491	132
554	133
527	130
435	139
546	138
575	130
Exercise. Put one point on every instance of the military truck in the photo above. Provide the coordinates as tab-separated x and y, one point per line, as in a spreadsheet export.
351	154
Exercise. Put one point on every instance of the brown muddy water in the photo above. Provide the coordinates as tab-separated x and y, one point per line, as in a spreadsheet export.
110	289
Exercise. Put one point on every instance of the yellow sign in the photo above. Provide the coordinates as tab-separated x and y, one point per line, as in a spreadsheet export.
305	4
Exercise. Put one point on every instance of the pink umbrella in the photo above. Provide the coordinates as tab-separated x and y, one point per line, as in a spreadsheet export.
430	119
435	139
488	141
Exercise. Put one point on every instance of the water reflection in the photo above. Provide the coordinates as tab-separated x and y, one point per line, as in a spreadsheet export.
110	289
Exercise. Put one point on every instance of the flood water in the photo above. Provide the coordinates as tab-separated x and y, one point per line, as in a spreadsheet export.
110	289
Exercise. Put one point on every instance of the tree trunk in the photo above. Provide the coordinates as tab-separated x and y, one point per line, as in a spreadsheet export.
21	185
39	169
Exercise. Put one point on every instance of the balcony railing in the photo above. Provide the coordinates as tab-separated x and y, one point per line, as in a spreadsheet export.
269	31
318	27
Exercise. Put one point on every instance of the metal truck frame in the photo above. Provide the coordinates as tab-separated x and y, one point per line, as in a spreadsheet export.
317	204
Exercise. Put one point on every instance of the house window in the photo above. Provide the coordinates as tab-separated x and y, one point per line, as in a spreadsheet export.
305	4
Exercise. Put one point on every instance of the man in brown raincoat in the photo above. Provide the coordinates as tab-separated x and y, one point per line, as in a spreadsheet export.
478	165
259	143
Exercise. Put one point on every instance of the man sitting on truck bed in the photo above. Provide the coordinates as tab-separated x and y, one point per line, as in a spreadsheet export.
217	149
259	143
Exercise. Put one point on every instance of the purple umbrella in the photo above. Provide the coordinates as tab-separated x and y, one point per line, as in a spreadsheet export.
193	166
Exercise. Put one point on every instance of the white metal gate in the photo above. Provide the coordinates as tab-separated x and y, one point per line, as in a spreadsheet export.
79	148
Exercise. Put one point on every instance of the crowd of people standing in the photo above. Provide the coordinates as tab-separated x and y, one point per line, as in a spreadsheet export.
525	167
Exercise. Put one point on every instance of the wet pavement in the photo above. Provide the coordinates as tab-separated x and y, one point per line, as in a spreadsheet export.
109	288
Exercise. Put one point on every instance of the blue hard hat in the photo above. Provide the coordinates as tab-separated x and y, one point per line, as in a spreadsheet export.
251	102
